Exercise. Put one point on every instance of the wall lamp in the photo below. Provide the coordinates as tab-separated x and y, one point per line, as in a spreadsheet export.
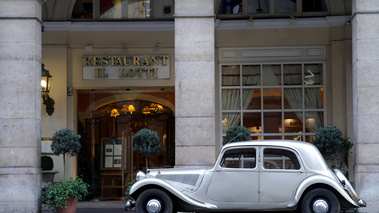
45	89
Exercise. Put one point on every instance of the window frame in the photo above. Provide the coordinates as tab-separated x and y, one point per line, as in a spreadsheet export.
295	155
240	151
96	14
270	60
245	14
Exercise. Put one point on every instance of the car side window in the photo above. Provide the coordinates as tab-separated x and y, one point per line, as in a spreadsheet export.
280	159
239	158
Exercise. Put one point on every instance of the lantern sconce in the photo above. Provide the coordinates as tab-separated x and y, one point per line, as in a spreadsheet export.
45	89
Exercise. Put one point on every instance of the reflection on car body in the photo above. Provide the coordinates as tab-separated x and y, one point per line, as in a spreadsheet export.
276	175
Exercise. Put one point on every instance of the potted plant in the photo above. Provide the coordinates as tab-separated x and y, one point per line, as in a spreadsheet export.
66	142
47	165
146	142
332	145
63	196
237	133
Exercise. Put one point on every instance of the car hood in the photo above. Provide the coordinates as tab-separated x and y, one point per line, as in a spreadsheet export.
182	179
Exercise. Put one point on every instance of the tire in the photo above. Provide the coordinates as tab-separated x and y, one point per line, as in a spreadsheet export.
157	199
323	197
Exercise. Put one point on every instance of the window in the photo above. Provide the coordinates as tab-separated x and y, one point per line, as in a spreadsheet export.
123	9
280	159
274	101
239	158
257	8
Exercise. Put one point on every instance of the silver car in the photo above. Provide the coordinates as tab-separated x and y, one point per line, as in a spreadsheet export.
277	175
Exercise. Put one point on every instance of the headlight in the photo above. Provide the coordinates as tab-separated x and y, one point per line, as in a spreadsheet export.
140	176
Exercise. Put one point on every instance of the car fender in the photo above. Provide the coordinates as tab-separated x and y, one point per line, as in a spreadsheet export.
319	179
157	183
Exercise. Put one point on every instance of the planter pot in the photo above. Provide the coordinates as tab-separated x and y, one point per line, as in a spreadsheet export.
71	207
336	161
48	177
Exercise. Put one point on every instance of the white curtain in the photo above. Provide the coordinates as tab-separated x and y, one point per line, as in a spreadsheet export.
231	97
312	96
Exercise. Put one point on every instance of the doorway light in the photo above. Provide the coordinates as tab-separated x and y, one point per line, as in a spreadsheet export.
45	89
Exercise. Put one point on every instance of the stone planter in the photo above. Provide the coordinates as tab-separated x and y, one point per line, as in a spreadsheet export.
336	161
48	177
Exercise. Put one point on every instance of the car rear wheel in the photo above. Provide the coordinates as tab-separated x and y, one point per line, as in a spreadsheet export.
154	201
320	201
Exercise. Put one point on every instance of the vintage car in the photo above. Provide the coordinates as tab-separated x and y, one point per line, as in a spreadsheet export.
277	175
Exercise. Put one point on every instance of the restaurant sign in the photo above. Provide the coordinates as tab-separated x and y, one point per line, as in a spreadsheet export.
126	67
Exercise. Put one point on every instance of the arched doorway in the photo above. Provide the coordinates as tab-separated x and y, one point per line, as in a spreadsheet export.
107	125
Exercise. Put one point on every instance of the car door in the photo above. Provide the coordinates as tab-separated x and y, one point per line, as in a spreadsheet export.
235	179
281	171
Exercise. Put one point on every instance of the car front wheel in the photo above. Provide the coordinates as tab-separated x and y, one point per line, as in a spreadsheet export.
154	201
320	201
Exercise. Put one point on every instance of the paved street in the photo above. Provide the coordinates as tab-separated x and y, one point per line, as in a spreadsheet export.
105	207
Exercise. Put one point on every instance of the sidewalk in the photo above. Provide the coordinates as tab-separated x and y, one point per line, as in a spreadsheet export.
97	207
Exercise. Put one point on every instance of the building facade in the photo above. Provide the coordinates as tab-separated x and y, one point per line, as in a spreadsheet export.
188	70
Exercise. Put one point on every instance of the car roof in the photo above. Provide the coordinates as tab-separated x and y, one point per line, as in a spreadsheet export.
308	152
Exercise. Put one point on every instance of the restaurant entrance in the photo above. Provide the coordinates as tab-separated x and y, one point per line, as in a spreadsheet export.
107	121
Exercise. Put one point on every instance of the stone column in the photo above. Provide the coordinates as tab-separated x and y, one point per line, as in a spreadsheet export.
365	42
20	104
194	83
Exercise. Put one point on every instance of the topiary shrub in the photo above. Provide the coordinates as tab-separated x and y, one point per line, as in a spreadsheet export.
47	163
328	139
237	133
146	142
66	142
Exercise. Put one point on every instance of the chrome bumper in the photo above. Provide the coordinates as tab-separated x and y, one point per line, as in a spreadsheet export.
129	205
362	203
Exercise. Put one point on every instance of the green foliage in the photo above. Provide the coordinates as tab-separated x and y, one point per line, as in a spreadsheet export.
66	141
146	142
56	194
346	145
237	133
127	190
328	139
47	163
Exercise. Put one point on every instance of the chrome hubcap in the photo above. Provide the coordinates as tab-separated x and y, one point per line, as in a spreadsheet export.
320	206
153	206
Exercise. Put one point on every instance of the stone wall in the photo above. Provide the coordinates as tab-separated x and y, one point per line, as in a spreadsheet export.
20	95
366	100
194	83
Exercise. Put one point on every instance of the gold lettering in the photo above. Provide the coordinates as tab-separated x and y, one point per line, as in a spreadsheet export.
96	61
133	71
155	73
121	73
100	73
155	60
112	60
105	61
148	70
87	61
140	73
164	58
119	61
136	61
145	62
126	63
